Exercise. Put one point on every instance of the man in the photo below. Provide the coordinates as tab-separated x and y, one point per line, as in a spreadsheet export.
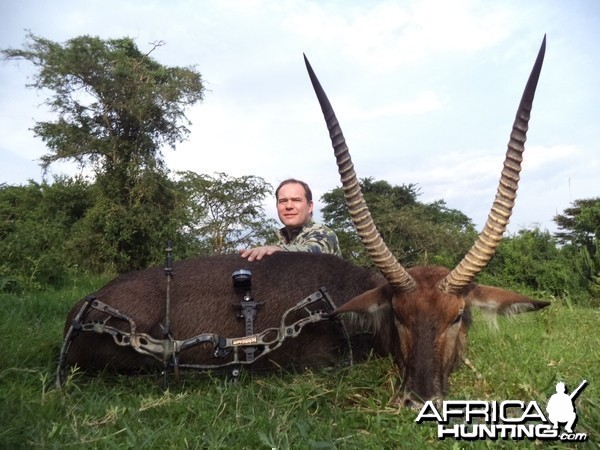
300	233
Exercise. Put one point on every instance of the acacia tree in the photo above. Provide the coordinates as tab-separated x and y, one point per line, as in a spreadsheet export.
225	213
116	107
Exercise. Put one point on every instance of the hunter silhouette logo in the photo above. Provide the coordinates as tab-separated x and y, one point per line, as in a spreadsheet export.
509	419
561	406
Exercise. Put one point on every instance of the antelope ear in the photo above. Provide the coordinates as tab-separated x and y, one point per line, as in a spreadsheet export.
369	302
493	300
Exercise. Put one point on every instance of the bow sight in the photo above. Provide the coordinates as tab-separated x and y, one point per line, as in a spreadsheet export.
242	281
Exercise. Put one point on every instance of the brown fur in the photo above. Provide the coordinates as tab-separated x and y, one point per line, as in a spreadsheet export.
202	298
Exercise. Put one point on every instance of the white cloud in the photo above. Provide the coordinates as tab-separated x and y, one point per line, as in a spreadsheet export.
386	35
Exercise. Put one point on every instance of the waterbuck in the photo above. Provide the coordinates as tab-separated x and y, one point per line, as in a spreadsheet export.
419	316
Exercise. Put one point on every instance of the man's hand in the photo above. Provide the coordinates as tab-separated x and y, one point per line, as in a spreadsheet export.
258	252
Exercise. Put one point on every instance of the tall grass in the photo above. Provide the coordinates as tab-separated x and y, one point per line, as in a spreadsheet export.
329	408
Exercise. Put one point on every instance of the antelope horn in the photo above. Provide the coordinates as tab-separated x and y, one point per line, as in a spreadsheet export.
383	258
489	239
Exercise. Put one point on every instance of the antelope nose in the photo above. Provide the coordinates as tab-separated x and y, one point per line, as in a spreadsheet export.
409	400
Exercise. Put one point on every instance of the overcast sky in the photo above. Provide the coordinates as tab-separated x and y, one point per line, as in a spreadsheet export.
425	91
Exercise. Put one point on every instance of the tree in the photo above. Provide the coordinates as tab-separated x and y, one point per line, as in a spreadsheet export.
225	213
129	234
580	223
415	232
117	107
379	195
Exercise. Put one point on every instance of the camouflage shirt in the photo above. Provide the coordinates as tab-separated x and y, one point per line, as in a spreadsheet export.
312	238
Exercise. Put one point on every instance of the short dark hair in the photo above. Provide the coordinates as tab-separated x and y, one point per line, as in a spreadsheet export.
307	191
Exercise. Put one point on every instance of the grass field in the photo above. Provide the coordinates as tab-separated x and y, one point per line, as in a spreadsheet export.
331	408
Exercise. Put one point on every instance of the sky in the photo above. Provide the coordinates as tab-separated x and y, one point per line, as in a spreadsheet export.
425	91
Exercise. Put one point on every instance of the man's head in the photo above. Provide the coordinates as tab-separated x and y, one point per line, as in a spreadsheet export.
294	203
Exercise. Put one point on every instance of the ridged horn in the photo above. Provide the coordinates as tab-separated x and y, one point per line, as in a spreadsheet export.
491	235
383	258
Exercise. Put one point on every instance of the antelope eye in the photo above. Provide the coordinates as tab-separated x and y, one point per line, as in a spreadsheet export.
397	317
458	317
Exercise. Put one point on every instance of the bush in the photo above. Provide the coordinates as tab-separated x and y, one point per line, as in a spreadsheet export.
35	226
532	260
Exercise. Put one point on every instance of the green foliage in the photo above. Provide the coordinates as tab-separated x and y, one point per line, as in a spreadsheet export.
120	236
36	223
224	213
531	260
329	408
415	232
48	231
587	264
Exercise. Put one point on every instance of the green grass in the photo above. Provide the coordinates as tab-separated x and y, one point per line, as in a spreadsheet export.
331	408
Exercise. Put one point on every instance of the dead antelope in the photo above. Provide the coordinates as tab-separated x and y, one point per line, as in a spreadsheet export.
292	309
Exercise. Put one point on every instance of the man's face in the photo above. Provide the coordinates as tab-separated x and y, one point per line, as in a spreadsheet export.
292	207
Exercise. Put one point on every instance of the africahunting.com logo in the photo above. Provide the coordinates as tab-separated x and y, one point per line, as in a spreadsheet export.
509	419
